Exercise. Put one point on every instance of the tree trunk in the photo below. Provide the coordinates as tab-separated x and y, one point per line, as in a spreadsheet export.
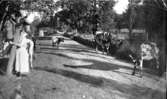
2	21
163	54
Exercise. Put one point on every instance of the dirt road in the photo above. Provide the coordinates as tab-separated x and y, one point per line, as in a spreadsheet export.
77	72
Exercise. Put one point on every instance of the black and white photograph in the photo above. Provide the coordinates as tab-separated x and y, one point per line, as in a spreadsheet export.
83	49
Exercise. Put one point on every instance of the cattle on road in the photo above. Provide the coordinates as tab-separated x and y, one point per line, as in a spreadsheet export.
56	41
148	51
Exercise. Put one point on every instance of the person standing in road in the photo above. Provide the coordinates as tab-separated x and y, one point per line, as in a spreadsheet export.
24	52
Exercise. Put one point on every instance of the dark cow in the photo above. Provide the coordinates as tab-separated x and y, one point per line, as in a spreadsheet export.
103	41
107	42
98	41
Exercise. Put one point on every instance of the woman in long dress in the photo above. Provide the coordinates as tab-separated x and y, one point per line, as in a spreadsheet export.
24	53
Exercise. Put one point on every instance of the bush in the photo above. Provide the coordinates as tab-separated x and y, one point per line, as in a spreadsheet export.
84	41
126	49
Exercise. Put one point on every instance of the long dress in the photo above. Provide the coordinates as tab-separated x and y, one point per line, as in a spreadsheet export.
23	54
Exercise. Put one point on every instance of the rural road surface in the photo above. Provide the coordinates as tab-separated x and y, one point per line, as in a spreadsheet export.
75	71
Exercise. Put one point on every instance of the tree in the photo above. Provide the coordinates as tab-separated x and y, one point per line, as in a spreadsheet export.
76	13
13	7
7	8
107	15
150	15
84	15
155	24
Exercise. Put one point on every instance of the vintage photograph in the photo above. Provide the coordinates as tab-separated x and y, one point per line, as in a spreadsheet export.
83	49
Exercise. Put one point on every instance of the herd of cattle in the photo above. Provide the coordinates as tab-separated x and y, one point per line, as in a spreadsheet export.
109	44
144	51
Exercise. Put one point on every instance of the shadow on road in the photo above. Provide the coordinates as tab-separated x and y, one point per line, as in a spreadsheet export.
58	54
108	67
132	91
98	65
3	65
80	77
69	49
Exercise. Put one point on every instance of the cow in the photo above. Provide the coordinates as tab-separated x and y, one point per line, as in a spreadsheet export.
98	41
147	51
102	40
107	42
56	41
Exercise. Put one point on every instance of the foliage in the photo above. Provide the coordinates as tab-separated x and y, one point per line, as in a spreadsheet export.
154	16
107	16
149	16
75	13
41	5
7	8
47	6
83	15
